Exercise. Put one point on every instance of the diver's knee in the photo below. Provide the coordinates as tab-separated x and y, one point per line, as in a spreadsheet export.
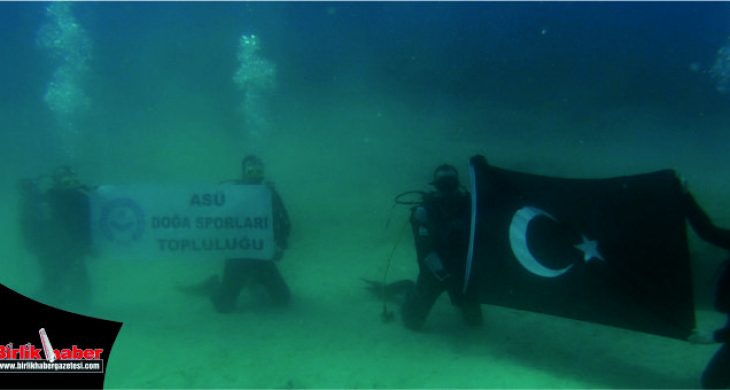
415	325
709	382
222	304
281	298
472	315
413	319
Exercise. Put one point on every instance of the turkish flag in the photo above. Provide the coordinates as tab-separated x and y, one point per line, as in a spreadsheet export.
612	251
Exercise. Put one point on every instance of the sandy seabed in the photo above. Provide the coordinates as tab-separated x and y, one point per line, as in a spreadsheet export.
339	192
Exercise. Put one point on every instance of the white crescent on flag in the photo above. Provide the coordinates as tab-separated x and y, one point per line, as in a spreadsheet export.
518	242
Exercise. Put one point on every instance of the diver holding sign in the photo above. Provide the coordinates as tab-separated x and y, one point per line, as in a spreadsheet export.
238	272
54	222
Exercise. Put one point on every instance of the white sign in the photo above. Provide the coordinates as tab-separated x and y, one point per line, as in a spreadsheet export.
174	222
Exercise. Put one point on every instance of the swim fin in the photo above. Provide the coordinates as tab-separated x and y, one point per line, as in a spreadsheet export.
205	288
395	291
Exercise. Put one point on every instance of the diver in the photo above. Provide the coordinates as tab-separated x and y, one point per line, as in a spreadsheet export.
238	272
440	224
55	228
717	373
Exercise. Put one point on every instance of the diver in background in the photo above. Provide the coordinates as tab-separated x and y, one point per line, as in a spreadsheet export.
717	372
239	272
55	227
440	225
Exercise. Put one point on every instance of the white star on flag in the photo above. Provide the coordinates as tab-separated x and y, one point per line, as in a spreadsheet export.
589	249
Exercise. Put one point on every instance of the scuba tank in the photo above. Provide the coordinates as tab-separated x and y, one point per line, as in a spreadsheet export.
34	212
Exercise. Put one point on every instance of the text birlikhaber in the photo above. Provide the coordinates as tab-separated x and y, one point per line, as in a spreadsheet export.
27	358
30	352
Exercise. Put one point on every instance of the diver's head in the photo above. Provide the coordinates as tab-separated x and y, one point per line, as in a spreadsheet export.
65	178
445	179
252	170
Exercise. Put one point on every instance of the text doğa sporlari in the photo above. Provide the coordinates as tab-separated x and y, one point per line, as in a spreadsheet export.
186	223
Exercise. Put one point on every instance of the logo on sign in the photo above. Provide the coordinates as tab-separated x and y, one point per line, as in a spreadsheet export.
122	221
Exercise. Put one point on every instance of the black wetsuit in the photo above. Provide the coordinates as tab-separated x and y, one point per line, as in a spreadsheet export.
717	372
440	226
56	228
239	272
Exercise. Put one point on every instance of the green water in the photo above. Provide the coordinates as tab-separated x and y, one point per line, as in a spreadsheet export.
337	167
342	141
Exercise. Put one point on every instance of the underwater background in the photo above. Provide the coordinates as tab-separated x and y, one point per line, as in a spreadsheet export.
350	104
